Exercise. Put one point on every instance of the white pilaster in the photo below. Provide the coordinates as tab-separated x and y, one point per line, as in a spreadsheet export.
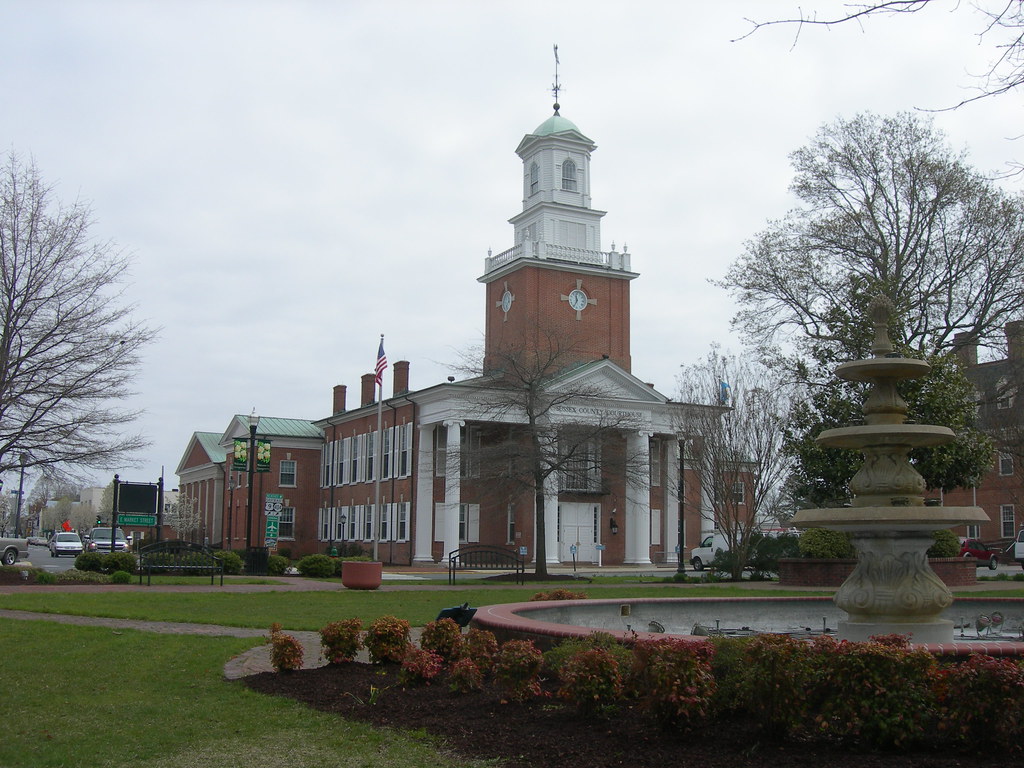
452	487
551	519
424	529
671	535
638	499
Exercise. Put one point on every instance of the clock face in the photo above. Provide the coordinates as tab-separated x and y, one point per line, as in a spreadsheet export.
577	299
506	301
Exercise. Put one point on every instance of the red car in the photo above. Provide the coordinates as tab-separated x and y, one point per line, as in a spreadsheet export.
974	548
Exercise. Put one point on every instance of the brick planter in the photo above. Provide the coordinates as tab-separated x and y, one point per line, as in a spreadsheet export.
821	572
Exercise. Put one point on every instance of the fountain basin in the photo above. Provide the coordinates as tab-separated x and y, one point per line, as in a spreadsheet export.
547	623
875	435
887	518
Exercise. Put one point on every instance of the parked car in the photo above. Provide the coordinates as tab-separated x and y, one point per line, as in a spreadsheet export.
99	540
36	541
65	543
977	549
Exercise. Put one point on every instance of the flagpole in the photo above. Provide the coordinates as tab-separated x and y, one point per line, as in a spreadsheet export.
379	374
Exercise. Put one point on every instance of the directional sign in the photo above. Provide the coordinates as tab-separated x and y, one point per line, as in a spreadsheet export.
274	504
136	519
272	527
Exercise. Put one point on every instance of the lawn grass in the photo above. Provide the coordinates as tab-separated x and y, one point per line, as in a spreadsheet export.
312	610
89	697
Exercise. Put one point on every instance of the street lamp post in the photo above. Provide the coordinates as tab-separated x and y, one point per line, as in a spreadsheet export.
251	469
231	508
21	492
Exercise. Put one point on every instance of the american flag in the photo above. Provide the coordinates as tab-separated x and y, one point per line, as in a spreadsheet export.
382	362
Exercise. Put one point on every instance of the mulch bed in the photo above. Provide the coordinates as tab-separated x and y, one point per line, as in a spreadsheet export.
550	732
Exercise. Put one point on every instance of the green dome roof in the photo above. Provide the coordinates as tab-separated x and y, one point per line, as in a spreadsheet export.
555	124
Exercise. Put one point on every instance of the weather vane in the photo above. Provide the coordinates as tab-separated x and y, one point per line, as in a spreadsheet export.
556	87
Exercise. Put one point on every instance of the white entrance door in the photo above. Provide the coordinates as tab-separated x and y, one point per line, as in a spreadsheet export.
578	525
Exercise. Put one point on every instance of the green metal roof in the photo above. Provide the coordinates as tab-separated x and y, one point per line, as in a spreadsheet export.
210	441
557	124
270	426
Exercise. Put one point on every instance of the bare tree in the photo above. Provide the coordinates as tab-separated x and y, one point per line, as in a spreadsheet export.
1000	23
887	208
183	516
544	424
737	454
69	346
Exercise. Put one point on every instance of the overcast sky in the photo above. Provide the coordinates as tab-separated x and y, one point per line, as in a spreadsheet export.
296	178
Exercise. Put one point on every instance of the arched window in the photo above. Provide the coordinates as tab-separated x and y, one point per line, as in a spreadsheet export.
569	176
534	178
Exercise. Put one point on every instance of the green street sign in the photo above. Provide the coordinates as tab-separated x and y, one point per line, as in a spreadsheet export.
272	527
136	519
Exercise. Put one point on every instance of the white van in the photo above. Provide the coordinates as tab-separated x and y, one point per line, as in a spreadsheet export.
705	553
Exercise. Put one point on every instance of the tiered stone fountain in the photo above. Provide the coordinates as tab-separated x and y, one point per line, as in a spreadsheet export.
892	590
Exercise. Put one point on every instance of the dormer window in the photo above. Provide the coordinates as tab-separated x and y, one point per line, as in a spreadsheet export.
569	176
534	179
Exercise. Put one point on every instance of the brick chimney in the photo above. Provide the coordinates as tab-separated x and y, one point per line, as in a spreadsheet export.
369	383
966	348
401	378
339	398
1014	339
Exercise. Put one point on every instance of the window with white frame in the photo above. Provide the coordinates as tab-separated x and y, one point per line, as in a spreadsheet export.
387	453
404	450
344	452
371	457
366	514
739	492
581	468
1005	464
401	526
469	523
470	454
1004	394
286	523
973	531
534	178
384	518
346	523
327	465
569	175
286	476
1006	518
354	463
440	450
656	446
325	522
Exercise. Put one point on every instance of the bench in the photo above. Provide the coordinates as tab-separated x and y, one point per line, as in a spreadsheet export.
485	559
177	556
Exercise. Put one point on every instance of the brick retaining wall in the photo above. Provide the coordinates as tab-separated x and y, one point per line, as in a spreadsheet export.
822	572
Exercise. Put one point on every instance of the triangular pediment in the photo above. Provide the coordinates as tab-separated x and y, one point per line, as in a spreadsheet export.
608	380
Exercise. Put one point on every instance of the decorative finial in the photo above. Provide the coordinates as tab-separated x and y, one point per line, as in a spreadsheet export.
556	87
881	310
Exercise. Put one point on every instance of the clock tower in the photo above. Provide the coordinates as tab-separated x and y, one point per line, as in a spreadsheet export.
555	281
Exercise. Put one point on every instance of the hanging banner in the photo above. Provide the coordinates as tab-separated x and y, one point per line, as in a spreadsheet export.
262	455
240	459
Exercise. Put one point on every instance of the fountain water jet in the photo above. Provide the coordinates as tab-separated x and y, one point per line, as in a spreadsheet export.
892	589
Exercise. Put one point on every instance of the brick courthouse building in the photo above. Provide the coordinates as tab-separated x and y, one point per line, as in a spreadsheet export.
433	475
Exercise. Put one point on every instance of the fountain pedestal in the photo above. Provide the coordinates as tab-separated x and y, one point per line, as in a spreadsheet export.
893	589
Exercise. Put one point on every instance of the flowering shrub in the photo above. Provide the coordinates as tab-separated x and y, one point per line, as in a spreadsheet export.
420	666
481	647
517	669
556	658
285	650
341	641
591	680
874	692
774	681
673	677
981	701
465	676
443	637
559	594
387	639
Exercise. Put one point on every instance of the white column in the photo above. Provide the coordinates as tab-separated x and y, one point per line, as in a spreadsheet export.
638	498
551	519
671	534
452	486
424	529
